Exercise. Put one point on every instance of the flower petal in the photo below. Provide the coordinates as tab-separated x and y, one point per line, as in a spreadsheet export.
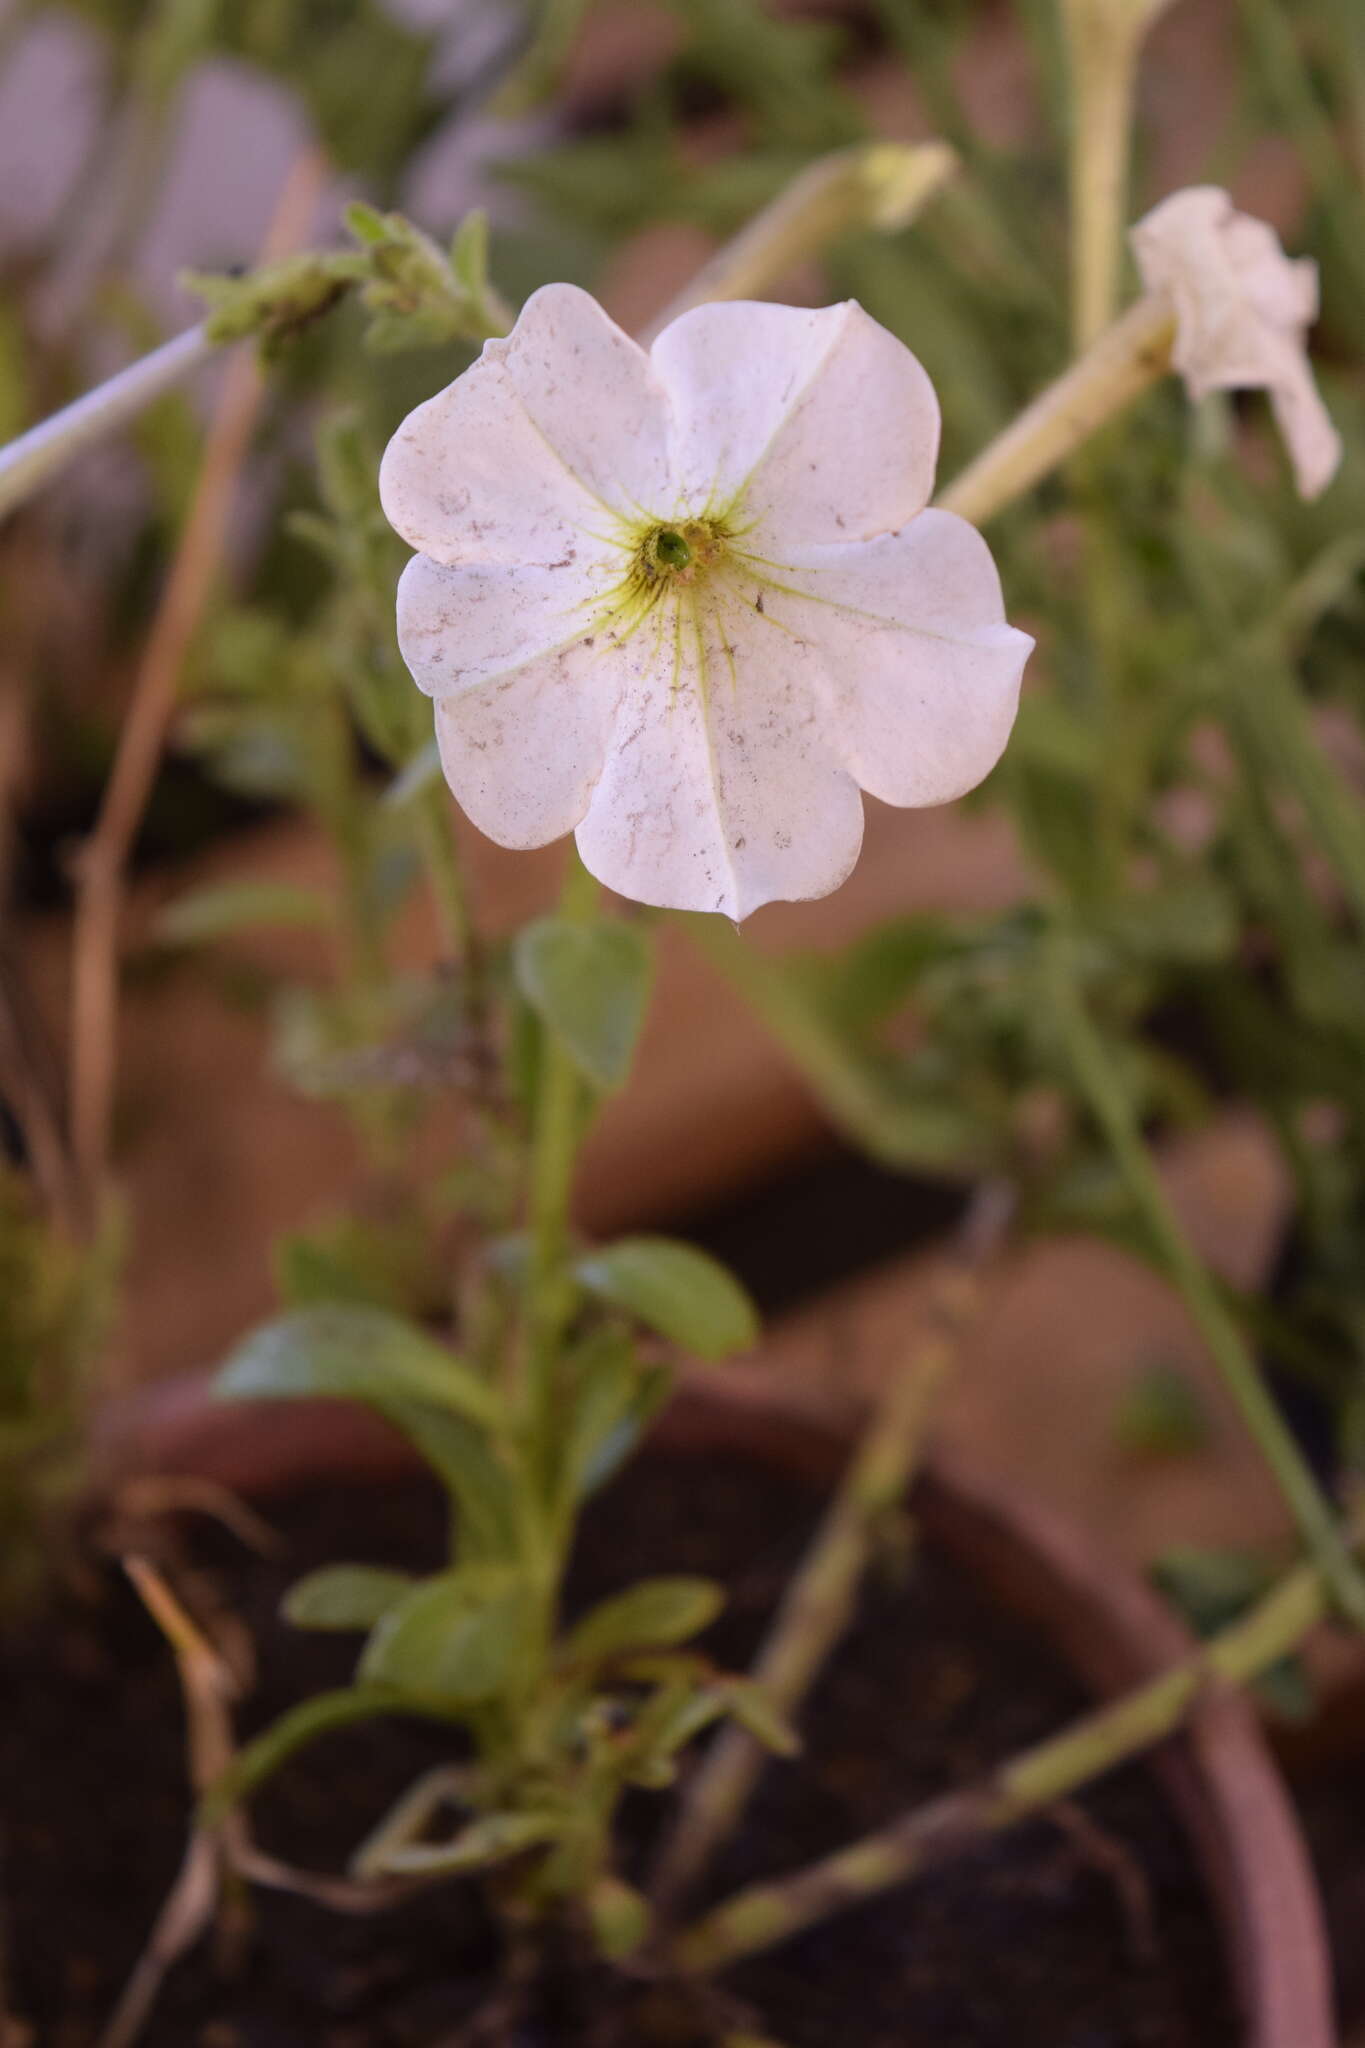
919	674
538	451
1243	310
720	791
820	421
523	751
470	624
1312	441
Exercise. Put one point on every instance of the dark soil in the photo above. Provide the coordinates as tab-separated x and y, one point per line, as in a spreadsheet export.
1088	1932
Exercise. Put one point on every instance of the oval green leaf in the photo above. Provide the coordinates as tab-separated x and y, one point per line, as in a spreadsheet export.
344	1596
457	1637
588	984
343	1351
654	1614
682	1293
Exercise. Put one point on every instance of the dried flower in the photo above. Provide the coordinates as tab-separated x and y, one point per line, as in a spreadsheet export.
1243	310
687	603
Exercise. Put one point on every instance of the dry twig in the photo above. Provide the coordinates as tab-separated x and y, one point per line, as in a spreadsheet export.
101	864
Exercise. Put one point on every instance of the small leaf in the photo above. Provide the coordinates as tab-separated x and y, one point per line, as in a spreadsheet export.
469	1464
344	1596
620	1917
228	907
457	1637
656	1613
469	253
366	222
351	1353
609	1396
588	984
750	1705
682	1293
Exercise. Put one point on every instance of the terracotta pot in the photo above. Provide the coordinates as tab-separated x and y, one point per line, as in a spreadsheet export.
1103	1620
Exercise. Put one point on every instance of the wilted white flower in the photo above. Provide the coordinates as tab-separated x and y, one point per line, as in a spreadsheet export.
687	603
1243	310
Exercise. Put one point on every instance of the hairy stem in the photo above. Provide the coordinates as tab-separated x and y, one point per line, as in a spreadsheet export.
1112	1110
881	185
449	889
31	461
766	1914
554	1149
1126	360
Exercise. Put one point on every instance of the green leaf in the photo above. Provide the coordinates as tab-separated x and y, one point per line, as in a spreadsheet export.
457	1637
344	1596
620	1917
656	1613
351	1353
483	1486
609	1397
469	253
682	1293
218	911
303	1724
588	984
750	1705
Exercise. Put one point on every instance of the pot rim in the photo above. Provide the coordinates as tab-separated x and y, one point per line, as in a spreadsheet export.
1106	1623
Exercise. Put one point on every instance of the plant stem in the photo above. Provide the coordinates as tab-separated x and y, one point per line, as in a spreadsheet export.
31	461
445	871
819	1600
881	185
1108	1102
1103	38
554	1147
1117	368
764	1915
1269	708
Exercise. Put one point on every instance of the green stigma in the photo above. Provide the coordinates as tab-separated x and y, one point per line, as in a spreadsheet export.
670	548
667	563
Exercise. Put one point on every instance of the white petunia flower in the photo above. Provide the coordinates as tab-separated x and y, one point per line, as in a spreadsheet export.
1243	309
686	603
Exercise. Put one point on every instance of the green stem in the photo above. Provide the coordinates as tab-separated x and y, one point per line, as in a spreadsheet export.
882	185
1095	1076
449	888
819	1600
1271	712
554	1149
1037	1778
1104	41
1122	363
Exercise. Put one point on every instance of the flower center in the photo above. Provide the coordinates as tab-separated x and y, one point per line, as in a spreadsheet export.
671	550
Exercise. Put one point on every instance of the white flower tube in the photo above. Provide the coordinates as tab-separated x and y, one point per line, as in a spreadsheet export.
687	603
1243	309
